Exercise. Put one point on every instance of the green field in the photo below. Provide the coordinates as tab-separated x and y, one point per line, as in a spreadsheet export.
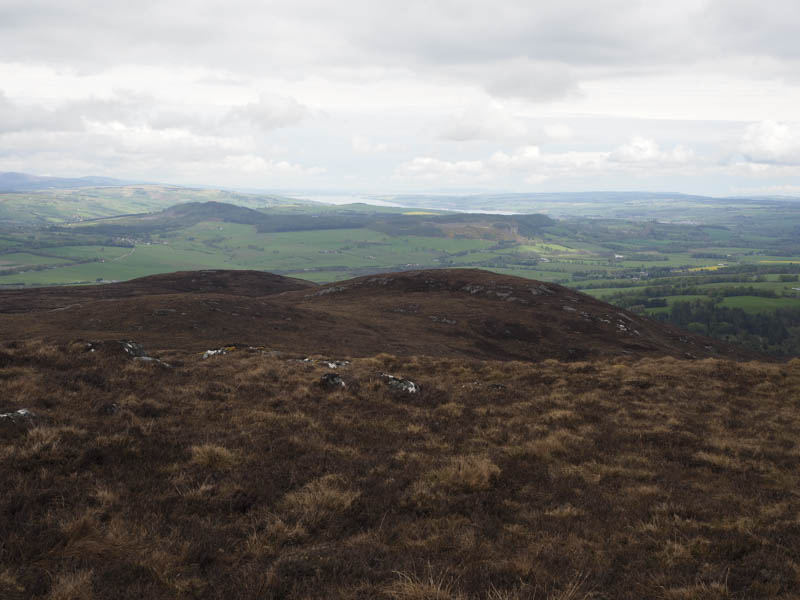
745	258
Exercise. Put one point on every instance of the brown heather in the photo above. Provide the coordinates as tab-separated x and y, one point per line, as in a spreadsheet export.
241	477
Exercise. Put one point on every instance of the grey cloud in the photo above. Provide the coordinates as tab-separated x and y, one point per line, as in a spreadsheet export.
532	80
134	109
753	26
503	47
270	112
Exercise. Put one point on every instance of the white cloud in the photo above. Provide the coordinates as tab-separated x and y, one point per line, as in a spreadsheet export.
645	151
178	87
637	157
771	142
484	121
363	145
768	190
531	79
434	169
558	132
270	112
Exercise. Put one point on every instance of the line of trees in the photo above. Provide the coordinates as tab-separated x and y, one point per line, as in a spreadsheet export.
776	333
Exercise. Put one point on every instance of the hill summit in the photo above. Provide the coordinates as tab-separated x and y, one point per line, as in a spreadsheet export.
457	312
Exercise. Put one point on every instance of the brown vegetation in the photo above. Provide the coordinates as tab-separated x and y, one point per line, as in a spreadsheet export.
241	477
455	313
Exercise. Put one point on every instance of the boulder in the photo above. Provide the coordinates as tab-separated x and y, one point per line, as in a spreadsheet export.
23	415
402	385
152	361
14	423
332	381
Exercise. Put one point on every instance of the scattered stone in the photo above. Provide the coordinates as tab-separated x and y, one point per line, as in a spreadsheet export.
109	409
23	414
444	320
473	289
331	290
497	386
379	280
126	348
18	420
332	381
541	289
154	361
403	385
335	364
326	362
406	308
133	349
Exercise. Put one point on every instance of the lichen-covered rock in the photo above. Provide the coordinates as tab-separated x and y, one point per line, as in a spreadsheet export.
109	409
403	385
14	423
332	381
152	361
18	416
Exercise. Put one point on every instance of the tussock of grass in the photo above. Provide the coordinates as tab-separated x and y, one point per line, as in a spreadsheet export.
319	500
214	457
72	586
410	586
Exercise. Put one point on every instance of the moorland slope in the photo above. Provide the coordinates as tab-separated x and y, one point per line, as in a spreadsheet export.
454	435
457	312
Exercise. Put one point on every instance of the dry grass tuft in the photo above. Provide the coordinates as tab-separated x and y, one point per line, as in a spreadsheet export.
460	475
657	477
700	591
464	473
426	587
214	457
319	500
72	586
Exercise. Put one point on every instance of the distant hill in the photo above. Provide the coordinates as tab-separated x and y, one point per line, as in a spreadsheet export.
643	205
29	202
24	182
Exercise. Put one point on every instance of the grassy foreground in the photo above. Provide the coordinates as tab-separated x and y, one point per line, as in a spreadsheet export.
242	476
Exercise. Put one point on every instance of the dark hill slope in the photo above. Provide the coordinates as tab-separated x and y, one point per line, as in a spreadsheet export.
482	314
228	282
456	313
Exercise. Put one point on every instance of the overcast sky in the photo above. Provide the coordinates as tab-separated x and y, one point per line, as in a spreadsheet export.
376	96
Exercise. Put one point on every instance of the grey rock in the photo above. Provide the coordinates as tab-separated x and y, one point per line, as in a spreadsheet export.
403	385
109	409
332	381
133	348
18	420
23	414
151	360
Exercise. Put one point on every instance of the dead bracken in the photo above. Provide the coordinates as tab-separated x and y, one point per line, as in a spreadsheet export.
343	449
240	478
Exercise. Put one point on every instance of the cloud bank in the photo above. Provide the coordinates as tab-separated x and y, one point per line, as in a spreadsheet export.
518	94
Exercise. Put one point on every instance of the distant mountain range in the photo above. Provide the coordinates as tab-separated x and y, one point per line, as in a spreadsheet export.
24	182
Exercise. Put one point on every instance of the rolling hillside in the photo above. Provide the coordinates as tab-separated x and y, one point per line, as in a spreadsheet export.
447	435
